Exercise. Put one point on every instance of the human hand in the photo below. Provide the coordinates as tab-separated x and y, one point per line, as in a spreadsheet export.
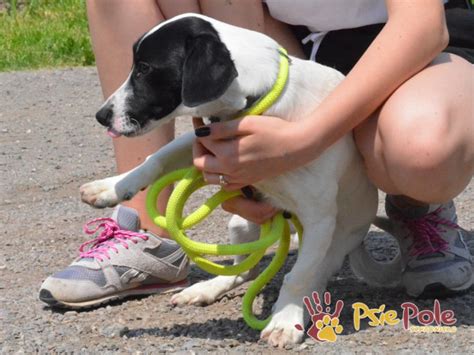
255	211
247	151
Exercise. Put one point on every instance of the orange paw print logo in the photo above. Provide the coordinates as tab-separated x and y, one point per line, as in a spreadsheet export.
328	328
325	325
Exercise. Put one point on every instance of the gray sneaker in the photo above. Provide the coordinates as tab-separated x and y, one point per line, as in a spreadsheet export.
120	261
435	257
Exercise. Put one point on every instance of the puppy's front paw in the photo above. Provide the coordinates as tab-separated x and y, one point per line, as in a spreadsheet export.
200	294
282	330
104	193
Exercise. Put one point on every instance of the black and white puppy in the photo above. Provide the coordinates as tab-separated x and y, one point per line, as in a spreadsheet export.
193	65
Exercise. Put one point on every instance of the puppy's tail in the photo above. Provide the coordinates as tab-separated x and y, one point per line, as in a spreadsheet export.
376	273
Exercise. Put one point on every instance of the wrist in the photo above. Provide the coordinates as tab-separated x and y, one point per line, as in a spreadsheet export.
305	140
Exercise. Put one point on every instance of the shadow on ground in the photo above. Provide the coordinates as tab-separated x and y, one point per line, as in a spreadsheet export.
344	286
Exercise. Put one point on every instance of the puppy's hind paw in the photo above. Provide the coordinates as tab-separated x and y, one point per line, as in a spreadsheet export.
102	193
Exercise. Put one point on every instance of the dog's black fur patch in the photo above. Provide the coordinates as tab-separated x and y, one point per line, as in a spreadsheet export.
183	61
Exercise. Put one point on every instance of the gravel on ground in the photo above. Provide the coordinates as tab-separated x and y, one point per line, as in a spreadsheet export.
50	144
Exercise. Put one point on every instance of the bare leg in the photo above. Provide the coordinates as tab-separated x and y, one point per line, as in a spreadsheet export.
115	25
419	148
421	142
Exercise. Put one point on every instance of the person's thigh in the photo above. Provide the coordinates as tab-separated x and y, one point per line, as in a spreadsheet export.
252	15
172	8
420	143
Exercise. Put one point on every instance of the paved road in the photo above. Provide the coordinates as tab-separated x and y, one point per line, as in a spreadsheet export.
49	145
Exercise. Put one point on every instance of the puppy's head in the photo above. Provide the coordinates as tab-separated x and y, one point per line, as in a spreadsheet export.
180	63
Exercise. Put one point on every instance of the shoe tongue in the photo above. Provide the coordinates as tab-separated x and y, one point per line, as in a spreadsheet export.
126	218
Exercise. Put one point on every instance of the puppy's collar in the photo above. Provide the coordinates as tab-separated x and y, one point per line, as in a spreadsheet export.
266	101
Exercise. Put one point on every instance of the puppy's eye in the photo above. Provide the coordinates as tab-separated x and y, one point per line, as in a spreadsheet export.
143	68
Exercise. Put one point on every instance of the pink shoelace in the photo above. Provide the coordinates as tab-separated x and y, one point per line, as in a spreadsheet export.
109	235
426	231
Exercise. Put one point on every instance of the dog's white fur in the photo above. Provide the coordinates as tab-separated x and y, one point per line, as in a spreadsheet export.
332	196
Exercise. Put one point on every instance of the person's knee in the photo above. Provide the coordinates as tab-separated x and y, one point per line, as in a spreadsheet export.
421	154
417	137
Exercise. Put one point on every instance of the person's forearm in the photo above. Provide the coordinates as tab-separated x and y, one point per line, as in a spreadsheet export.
413	36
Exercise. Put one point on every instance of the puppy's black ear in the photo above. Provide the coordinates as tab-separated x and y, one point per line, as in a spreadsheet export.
208	70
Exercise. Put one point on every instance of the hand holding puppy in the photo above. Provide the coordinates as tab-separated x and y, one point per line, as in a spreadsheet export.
246	151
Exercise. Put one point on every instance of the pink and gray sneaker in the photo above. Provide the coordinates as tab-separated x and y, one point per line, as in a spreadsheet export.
435	256
120	261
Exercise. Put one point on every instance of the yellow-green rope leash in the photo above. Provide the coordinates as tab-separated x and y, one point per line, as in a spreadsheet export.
190	180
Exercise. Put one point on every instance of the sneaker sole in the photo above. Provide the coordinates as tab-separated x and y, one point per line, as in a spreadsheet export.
440	290
46	296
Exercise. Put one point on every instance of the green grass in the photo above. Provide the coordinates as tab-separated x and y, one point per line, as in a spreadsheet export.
43	34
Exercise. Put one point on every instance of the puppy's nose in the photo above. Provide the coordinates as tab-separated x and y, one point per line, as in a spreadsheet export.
104	115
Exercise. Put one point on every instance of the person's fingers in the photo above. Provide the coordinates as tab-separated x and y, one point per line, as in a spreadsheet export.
199	149
218	147
215	156
223	130
257	212
214	179
233	186
204	160
208	163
